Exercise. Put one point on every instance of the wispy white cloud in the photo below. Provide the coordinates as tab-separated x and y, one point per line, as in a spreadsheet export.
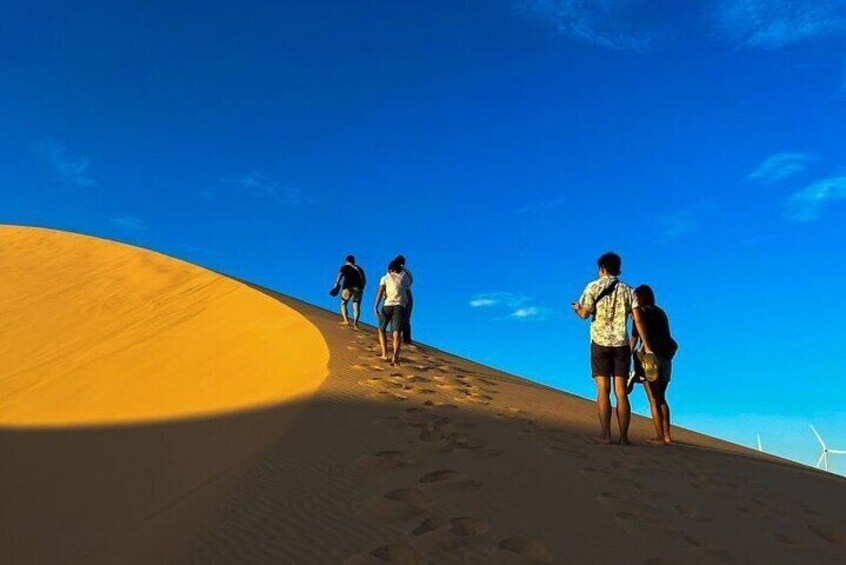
529	312
542	206
780	166
611	24
507	299
129	223
770	24
259	186
509	306
71	171
805	205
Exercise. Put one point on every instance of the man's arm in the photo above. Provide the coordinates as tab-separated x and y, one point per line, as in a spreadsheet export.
640	328
584	307
379	294
580	311
338	278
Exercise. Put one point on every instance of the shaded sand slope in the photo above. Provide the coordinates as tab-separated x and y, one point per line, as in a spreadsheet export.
439	461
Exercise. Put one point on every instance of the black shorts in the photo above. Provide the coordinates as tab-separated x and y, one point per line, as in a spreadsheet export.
395	315
610	361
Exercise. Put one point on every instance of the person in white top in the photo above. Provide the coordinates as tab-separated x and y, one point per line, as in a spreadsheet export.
393	289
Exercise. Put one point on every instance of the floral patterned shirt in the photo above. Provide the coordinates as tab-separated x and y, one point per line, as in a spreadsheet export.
610	323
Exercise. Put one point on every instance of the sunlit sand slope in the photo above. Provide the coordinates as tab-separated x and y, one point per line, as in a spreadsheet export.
95	332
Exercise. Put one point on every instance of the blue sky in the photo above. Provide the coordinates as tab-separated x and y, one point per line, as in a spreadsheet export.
501	145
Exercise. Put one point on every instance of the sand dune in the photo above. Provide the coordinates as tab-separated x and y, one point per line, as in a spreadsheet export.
438	461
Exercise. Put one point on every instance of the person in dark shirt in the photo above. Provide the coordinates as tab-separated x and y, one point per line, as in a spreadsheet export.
350	281
652	330
406	326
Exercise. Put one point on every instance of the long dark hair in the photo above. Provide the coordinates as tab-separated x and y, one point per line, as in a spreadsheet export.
645	296
395	266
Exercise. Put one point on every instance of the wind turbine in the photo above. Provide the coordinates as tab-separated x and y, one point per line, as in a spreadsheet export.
823	460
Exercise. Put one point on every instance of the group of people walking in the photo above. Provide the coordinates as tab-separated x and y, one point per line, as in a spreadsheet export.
650	349
394	302
607	301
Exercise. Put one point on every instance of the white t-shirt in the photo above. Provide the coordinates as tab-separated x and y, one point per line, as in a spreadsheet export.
396	289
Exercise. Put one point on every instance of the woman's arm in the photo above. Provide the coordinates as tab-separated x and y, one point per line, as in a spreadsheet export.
635	336
640	328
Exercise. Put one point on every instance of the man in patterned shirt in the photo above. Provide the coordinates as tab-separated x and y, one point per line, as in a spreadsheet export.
609	302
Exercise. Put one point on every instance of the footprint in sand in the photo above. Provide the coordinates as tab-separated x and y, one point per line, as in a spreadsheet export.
699	542
385	395
451	426
531	550
828	533
400	554
478	398
398	505
488	453
610	497
485	381
387	460
393	383
397	553
461	527
441	405
436	535
442	438
450	479
788	540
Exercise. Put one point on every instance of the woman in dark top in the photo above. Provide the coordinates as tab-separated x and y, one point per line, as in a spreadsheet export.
652	329
406	324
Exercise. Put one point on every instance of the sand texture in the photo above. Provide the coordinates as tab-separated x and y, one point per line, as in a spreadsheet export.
154	412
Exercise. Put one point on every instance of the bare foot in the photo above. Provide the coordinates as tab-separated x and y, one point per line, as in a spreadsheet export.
668	440
602	440
624	441
344	323
395	361
656	440
383	357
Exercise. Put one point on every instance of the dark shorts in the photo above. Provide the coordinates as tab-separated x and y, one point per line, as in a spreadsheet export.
393	315
353	294
610	361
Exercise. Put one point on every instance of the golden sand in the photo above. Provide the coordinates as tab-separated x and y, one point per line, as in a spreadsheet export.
95	332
